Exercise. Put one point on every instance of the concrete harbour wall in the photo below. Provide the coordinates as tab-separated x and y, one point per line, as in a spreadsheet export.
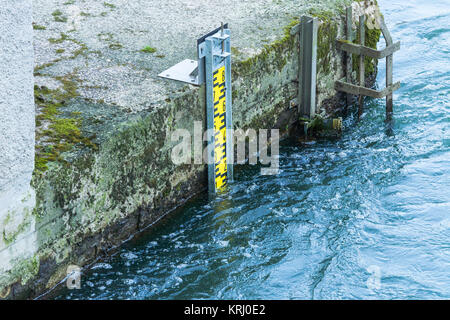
103	170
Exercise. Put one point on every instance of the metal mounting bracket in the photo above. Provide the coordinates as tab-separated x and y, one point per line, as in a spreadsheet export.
184	71
191	71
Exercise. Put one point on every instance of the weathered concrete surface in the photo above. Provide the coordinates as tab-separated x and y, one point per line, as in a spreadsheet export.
17	199
111	67
103	168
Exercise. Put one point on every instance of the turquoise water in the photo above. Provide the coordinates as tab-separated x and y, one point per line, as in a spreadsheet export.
366	216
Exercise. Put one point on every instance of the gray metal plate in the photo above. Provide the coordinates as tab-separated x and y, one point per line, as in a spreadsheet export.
184	71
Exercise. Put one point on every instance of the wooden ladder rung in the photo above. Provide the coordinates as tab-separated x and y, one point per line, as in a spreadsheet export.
341	85
358	49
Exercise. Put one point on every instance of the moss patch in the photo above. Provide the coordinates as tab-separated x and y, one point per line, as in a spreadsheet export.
55	134
327	34
24	270
109	5
58	16
38	27
321	14
316	124
148	49
11	237
286	43
63	37
115	46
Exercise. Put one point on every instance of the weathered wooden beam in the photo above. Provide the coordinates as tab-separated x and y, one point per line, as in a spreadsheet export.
389	71
362	39
361	49
389	50
342	85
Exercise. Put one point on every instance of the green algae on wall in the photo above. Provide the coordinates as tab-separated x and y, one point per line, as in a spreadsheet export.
23	271
327	35
11	236
262	85
54	134
274	49
132	170
372	12
372	36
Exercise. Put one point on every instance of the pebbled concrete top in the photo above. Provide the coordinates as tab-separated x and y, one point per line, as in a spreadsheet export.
102	41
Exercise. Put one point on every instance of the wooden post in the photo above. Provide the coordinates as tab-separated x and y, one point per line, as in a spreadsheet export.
349	65
389	66
389	103
362	34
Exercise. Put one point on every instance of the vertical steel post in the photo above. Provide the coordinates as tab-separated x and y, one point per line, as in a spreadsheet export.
307	66
349	63
218	110
362	35
229	116
209	111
